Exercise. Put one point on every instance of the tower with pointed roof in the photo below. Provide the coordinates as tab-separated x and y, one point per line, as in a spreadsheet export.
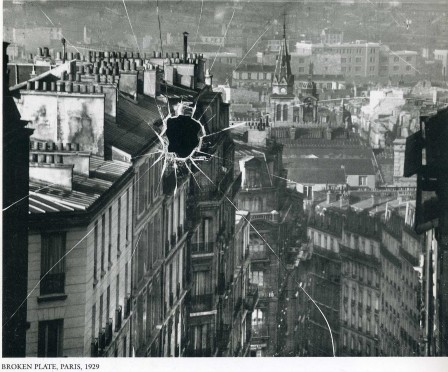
282	97
283	82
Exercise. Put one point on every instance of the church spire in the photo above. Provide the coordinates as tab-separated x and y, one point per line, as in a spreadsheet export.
283	79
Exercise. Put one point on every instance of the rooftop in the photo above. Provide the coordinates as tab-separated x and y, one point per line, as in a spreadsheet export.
86	190
324	165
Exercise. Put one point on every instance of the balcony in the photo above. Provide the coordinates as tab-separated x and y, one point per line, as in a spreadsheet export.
207	247
200	303
118	318
260	255
260	330
267	216
251	297
52	283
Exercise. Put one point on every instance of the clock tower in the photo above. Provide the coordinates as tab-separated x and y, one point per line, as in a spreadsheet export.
282	98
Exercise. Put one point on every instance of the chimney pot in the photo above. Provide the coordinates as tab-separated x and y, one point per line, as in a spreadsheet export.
185	45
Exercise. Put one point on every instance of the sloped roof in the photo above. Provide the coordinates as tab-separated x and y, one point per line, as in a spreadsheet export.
316	176
86	190
330	167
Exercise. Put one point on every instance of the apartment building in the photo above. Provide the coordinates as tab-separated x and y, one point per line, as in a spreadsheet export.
15	215
272	212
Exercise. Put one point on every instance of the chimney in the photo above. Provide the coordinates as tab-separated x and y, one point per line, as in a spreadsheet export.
151	82
63	50
185	46
208	78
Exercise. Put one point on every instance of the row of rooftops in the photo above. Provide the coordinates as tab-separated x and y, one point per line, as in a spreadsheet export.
83	177
365	217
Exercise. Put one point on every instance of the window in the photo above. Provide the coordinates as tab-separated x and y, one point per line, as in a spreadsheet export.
95	251
301	69
52	263
285	112
358	59
202	283
408	68
279	113
408	58
117	291
118	225
100	315
352	343
257	278
343	60
368	350
103	241
253	177
308	191
50	341
109	253
142	187
93	320
108	303
345	339
362	180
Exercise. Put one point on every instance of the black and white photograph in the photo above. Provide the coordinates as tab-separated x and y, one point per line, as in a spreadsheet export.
237	179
